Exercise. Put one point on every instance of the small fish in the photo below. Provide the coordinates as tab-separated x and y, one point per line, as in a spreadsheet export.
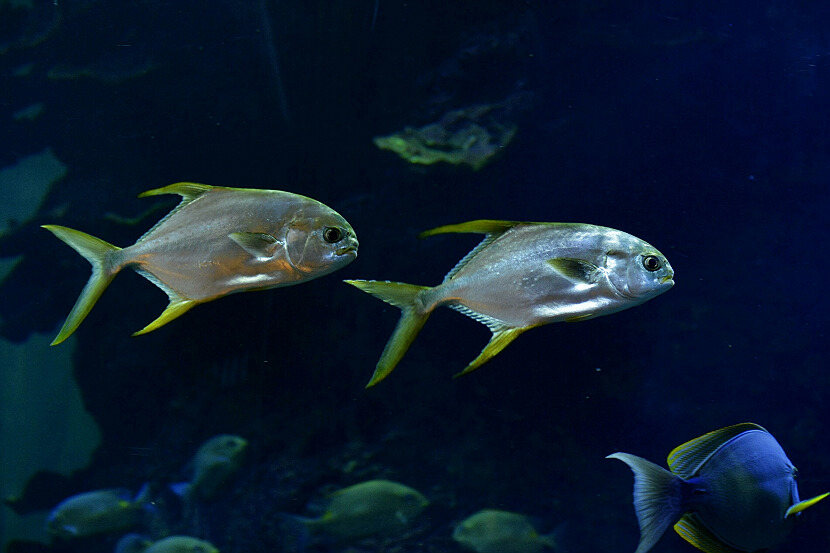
98	512
494	531
524	275
133	543
181	544
216	242
376	507
214	463
732	490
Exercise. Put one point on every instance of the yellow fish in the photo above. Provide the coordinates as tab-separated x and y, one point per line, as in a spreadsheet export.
216	242
213	465
494	531
375	507
524	275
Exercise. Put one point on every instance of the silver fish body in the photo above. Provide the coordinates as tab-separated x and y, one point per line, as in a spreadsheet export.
732	489
524	275
511	279
218	241
97	512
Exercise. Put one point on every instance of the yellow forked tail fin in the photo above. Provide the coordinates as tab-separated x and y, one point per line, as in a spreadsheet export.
96	251
403	296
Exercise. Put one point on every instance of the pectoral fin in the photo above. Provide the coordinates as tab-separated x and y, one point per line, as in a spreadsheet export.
801	505
575	269
258	244
501	339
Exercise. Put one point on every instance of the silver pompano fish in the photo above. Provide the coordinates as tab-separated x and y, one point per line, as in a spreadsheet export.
524	275
218	241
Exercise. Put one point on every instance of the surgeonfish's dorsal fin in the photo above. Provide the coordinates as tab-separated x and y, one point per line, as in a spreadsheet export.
693	531
686	459
656	498
490	228
801	505
189	191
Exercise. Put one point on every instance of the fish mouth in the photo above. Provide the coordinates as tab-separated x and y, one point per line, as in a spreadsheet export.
667	280
347	249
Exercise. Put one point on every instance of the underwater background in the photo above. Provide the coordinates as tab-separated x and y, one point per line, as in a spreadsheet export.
700	127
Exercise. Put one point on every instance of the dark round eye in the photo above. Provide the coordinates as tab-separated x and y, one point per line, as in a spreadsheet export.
332	235
651	263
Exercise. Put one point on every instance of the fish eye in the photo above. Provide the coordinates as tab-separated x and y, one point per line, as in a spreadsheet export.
332	235
651	263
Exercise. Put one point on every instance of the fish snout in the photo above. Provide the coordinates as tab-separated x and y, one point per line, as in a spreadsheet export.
350	247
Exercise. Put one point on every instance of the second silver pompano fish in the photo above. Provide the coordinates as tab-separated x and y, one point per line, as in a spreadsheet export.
218	241
524	275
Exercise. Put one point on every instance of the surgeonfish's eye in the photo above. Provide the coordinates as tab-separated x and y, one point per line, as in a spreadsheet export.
651	263
332	235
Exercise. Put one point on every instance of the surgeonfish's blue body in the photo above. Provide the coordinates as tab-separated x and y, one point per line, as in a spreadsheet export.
732	490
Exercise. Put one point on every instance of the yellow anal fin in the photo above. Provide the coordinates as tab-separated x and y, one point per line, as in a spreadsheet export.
175	309
501	339
801	505
696	533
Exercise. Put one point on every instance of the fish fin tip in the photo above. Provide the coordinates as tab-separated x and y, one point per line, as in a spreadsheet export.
479	226
187	190
175	309
802	505
501	338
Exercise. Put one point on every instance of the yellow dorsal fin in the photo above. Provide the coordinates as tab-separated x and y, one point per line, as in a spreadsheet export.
479	226
187	190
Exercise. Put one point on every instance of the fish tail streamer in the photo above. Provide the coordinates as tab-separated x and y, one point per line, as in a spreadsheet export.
405	297
97	252
656	498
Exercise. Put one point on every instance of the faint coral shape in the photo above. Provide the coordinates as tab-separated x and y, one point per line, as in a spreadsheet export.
470	136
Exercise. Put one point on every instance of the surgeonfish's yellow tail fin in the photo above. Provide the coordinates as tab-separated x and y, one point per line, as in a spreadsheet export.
413	317
97	252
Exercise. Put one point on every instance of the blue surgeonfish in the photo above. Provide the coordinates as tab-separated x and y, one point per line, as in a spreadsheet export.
524	275
732	490
98	512
218	241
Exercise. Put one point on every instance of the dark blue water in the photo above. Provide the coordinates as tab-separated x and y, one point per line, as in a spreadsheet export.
701	129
